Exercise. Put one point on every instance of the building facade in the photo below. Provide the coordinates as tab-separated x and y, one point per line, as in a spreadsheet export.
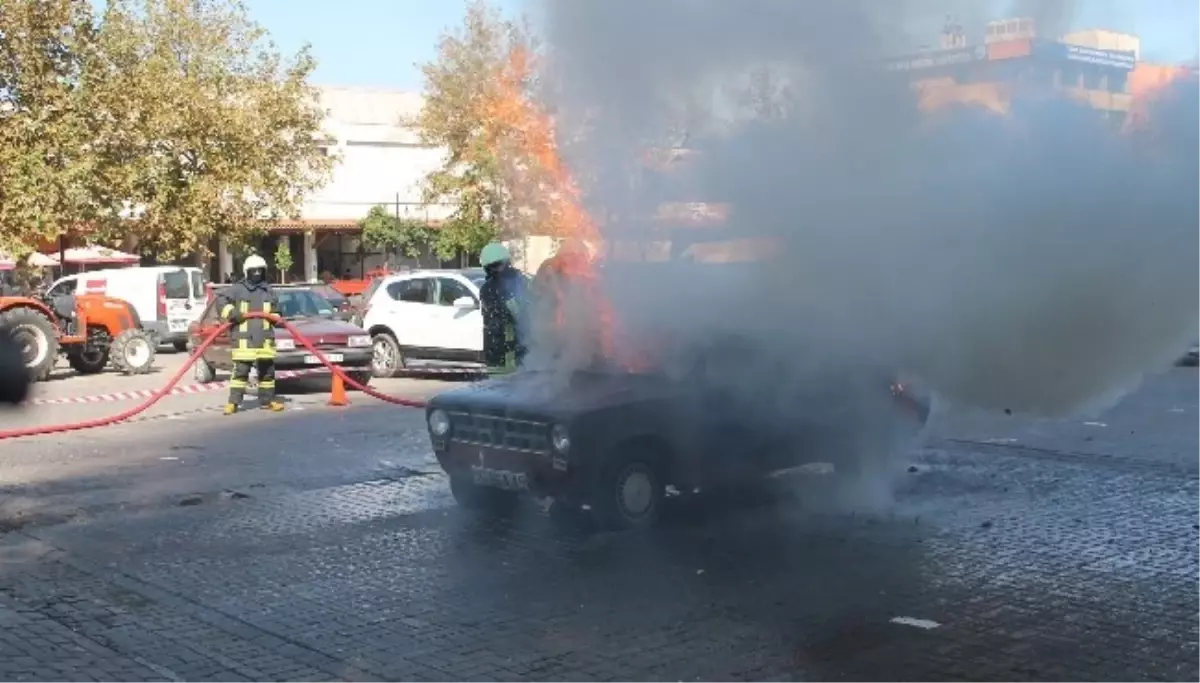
1094	66
381	161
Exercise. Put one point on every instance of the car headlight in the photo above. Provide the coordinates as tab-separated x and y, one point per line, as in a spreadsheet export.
560	438
285	344
439	423
359	340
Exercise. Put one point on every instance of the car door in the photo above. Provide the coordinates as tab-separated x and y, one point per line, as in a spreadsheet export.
458	330
219	352
177	294
196	299
411	311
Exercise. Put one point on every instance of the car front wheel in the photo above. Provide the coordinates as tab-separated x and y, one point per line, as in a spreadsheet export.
386	357
203	371
630	489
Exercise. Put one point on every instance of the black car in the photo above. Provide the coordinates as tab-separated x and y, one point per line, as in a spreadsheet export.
608	443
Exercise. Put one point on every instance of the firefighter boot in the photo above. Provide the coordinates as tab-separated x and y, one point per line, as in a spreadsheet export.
272	405
231	408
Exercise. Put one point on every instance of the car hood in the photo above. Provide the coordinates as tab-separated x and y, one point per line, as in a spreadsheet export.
553	394
320	327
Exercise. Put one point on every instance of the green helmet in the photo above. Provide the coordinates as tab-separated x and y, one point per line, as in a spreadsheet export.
494	253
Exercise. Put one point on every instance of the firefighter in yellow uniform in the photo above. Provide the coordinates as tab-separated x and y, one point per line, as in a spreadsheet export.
252	340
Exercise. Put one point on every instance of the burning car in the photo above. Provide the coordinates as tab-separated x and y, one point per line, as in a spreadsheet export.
609	443
700	412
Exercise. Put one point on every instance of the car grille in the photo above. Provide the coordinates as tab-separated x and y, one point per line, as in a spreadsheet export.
500	432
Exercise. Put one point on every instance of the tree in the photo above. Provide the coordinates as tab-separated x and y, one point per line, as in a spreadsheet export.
212	130
412	238
283	259
47	122
462	85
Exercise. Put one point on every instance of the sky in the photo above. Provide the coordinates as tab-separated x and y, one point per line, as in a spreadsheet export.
378	43
369	43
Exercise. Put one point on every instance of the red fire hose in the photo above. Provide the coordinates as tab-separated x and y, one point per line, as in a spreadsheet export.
121	417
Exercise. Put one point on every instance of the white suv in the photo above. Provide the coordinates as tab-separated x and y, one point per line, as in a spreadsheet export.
430	316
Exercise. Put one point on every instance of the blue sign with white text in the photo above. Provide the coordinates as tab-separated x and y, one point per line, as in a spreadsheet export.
1118	59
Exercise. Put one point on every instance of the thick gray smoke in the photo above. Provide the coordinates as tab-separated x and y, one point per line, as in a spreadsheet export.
1040	261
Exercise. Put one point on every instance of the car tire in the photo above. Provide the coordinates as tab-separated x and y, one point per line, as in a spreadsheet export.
133	352
630	489
362	377
203	371
482	499
180	346
386	357
28	326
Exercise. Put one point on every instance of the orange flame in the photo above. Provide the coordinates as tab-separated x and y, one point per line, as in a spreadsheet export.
547	186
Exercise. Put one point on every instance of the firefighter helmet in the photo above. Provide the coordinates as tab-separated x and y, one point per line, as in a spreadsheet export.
494	253
254	261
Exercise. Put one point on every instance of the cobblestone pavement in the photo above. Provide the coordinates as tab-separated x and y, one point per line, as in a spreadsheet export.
1003	557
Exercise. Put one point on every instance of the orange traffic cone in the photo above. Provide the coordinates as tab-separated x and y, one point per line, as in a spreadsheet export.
337	395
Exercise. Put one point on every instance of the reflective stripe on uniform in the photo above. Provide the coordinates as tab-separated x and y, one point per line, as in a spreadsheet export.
243	351
226	310
267	383
265	353
237	383
244	307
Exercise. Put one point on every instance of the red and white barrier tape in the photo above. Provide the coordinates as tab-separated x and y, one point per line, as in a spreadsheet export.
198	388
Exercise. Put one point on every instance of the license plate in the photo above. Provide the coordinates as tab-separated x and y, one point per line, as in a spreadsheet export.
177	325
331	357
500	479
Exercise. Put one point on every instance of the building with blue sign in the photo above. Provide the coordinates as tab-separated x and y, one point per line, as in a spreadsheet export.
1094	66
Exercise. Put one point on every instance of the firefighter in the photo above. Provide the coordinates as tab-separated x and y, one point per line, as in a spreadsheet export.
502	300
252	340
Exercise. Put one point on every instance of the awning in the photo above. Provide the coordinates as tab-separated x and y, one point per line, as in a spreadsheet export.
39	260
93	256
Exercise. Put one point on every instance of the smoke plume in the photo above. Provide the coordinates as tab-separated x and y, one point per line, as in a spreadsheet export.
1037	261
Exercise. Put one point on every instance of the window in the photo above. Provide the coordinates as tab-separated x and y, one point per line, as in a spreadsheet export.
62	289
210	313
450	290
303	303
178	285
414	291
198	281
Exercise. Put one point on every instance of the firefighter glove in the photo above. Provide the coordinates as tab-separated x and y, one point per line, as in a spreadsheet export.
235	316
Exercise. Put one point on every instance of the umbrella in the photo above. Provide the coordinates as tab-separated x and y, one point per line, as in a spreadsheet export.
41	260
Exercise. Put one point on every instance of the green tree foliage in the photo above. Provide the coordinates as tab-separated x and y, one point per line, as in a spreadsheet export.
283	259
174	121
47	124
407	236
461	87
222	132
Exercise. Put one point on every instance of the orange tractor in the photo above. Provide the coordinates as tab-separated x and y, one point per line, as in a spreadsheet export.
91	330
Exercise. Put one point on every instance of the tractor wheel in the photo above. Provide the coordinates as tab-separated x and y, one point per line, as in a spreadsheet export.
88	362
132	352
37	338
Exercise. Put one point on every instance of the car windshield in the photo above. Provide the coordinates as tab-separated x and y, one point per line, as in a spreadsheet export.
330	294
303	303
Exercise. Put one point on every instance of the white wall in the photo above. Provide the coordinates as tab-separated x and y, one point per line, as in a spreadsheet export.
382	160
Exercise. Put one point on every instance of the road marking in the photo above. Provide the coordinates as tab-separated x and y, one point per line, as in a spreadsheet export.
197	388
999	441
1095	424
917	623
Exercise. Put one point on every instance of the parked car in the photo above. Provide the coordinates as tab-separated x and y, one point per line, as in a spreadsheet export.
167	298
344	344
427	315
